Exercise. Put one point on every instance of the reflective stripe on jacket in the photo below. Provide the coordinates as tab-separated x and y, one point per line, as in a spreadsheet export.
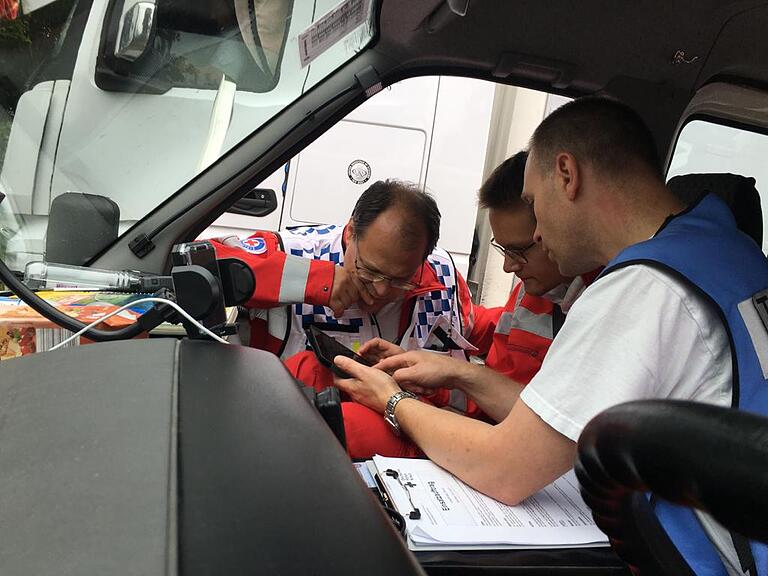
522	337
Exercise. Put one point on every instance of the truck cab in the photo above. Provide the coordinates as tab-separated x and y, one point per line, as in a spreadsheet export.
176	111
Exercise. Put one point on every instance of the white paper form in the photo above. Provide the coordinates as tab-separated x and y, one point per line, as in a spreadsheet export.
455	515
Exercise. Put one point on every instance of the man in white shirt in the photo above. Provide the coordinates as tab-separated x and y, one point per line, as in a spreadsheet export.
596	186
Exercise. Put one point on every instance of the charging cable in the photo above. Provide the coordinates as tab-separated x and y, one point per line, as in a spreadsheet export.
171	303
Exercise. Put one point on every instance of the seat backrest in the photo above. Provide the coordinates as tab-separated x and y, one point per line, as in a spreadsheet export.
711	458
737	191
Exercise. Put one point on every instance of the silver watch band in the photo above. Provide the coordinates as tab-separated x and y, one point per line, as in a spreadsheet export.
389	411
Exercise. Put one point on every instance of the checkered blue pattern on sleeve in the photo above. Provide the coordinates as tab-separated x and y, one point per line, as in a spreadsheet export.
325	253
308	230
443	272
429	307
436	303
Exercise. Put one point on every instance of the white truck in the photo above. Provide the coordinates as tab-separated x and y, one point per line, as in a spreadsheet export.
137	137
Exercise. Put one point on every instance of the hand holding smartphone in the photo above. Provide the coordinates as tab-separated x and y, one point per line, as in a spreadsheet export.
326	348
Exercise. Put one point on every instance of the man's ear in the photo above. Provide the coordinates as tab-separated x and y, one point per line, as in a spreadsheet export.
568	174
349	233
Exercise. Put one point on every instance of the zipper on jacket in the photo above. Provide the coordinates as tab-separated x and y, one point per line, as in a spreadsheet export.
518	348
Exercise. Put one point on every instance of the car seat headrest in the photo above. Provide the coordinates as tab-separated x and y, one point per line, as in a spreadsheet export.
737	191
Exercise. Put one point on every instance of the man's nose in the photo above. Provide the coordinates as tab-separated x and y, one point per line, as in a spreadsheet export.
512	265
537	235
380	288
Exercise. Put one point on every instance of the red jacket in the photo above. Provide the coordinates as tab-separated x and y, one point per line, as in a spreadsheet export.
303	281
294	277
524	329
523	332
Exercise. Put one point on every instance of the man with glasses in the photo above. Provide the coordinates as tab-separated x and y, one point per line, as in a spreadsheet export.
380	276
537	306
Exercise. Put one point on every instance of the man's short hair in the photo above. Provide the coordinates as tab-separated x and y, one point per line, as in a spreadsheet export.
419	210
600	131
502	189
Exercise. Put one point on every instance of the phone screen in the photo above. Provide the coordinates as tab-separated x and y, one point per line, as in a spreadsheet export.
326	348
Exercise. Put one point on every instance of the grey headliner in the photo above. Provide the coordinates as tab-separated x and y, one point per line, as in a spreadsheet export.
621	48
599	41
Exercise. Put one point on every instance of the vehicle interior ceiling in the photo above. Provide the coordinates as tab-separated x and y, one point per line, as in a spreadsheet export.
654	59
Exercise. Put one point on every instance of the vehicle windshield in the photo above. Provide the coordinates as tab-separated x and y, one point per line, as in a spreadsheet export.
108	107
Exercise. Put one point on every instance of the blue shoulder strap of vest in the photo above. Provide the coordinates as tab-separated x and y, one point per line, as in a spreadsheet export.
703	248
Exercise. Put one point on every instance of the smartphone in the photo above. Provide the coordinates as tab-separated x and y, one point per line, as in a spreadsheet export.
326	348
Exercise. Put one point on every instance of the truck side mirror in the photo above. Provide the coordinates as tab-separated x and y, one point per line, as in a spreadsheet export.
79	227
152	46
127	36
136	27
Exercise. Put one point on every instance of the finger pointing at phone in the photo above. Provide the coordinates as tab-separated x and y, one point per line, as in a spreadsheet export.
368	386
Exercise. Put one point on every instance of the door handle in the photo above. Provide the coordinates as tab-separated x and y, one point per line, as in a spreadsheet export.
257	202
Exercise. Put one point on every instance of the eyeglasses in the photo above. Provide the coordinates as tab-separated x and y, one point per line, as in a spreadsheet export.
515	254
372	277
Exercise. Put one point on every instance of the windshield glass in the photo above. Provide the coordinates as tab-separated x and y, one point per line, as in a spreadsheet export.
108	107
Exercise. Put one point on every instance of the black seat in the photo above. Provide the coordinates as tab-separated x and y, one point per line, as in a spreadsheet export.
707	457
738	192
166	457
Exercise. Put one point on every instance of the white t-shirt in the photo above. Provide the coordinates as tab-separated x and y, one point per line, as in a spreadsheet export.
388	319
638	333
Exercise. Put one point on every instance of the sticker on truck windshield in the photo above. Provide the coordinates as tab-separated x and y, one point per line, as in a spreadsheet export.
331	28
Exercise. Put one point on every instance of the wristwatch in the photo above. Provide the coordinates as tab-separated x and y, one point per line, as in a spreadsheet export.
389	411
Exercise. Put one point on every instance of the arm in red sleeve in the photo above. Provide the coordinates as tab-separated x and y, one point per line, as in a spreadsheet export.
280	278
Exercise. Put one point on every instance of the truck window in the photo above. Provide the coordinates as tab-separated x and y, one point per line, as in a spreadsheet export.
705	146
409	131
130	99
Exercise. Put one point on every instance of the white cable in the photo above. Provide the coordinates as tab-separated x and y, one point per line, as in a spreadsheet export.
178	308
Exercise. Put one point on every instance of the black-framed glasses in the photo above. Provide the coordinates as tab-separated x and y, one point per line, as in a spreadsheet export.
372	277
515	254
